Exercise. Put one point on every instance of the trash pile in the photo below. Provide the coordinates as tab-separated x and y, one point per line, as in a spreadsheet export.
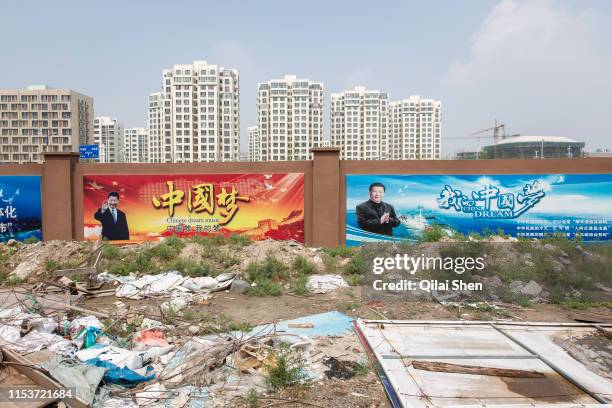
182	290
157	365
141	351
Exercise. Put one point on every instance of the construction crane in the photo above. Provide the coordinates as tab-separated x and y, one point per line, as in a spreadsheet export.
499	131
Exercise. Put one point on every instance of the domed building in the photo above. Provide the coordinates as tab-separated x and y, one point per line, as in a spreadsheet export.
533	147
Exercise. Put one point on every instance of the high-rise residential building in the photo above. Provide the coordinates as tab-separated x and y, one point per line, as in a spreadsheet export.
108	135
199	113
360	124
415	129
136	145
289	118
40	119
155	127
254	151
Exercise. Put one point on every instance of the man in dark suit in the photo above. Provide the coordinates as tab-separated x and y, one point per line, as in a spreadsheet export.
113	220
376	216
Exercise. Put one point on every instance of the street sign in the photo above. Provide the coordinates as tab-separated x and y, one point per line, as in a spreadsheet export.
89	151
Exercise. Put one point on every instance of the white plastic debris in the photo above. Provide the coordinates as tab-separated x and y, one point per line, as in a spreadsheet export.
86	321
9	335
204	282
106	277
178	301
325	283
149	285
116	355
152	324
16	315
34	341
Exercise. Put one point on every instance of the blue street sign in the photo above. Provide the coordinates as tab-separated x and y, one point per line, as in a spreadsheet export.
89	151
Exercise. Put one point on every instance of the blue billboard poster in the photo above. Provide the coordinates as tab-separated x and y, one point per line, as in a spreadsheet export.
388	208
20	208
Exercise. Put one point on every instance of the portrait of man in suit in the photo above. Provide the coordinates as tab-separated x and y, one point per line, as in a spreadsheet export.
375	215
114	222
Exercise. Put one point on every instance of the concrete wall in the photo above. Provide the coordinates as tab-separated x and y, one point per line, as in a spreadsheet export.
324	183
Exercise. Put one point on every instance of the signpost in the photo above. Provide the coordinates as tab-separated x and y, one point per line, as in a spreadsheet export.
89	151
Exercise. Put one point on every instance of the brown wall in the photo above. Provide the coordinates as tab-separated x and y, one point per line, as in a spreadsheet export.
324	183
326	216
30	169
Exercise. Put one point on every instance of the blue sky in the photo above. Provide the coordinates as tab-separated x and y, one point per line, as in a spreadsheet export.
542	67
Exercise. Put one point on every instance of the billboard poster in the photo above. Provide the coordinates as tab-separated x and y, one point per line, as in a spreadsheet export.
20	208
401	207
149	207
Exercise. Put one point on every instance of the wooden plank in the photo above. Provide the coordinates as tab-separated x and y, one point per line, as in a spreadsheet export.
23	365
476	370
76	271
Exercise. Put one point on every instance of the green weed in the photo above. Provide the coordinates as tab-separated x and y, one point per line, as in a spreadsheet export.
432	234
288	369
341	251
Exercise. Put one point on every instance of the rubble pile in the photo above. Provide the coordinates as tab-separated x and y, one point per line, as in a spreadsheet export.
159	362
142	336
33	260
146	354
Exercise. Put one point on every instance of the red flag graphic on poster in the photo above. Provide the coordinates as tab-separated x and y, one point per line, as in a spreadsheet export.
149	207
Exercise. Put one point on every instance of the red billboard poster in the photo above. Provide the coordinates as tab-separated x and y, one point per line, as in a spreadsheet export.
138	208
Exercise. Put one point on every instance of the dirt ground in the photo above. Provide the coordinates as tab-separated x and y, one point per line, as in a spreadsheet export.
259	310
364	391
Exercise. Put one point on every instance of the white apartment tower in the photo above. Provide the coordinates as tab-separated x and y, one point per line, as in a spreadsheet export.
254	150
199	114
289	119
155	127
108	135
136	145
415	129
359	124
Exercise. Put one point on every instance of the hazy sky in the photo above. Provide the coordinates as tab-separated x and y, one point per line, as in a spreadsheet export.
541	67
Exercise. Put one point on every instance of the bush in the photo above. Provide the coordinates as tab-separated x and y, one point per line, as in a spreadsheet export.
240	241
190	267
251	398
356	265
341	251
132	262
302	266
264	287
168	249
329	262
287	368
110	252
31	240
270	268
506	295
51	265
174	242
432	234
298	284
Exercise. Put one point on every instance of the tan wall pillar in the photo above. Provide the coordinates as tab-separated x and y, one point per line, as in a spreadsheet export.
57	199
326	196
